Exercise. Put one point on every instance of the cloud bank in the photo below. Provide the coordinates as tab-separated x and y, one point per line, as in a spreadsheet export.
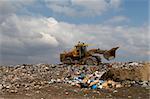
30	39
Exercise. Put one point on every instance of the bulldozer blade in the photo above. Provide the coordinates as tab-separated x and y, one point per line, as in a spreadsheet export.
110	54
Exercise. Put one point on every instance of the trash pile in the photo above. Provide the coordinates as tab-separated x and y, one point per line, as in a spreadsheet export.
14	79
94	77
92	81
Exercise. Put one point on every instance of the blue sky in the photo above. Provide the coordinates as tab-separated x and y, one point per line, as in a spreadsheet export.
135	10
36	31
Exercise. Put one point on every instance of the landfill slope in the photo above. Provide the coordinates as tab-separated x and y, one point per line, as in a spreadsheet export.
37	81
136	73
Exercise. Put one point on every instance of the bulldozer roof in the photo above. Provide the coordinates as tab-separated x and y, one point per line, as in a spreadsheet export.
81	44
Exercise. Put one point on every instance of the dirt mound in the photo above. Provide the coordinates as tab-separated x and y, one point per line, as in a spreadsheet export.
137	73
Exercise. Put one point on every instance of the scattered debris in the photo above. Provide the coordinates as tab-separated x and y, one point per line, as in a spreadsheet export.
14	79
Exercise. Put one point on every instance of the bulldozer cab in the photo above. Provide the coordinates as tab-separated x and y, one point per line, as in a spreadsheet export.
81	49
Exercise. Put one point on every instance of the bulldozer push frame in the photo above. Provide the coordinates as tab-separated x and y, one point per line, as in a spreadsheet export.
80	55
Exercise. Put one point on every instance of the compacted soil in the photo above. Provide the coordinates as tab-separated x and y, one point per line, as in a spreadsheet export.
64	91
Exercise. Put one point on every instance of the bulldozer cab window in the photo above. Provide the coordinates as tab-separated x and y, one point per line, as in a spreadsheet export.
77	48
83	50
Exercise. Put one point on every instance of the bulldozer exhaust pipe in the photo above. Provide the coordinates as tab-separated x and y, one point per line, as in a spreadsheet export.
110	54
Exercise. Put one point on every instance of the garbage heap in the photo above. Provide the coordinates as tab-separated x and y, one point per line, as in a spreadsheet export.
18	78
108	76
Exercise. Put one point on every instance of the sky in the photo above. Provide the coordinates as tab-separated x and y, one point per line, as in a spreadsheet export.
37	31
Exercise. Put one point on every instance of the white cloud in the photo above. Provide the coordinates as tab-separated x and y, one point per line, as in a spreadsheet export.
82	7
115	3
117	20
46	37
28	29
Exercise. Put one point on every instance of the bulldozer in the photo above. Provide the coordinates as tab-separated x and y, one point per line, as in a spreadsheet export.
80	55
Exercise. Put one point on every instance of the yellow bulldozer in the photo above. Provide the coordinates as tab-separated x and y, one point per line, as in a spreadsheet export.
80	55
